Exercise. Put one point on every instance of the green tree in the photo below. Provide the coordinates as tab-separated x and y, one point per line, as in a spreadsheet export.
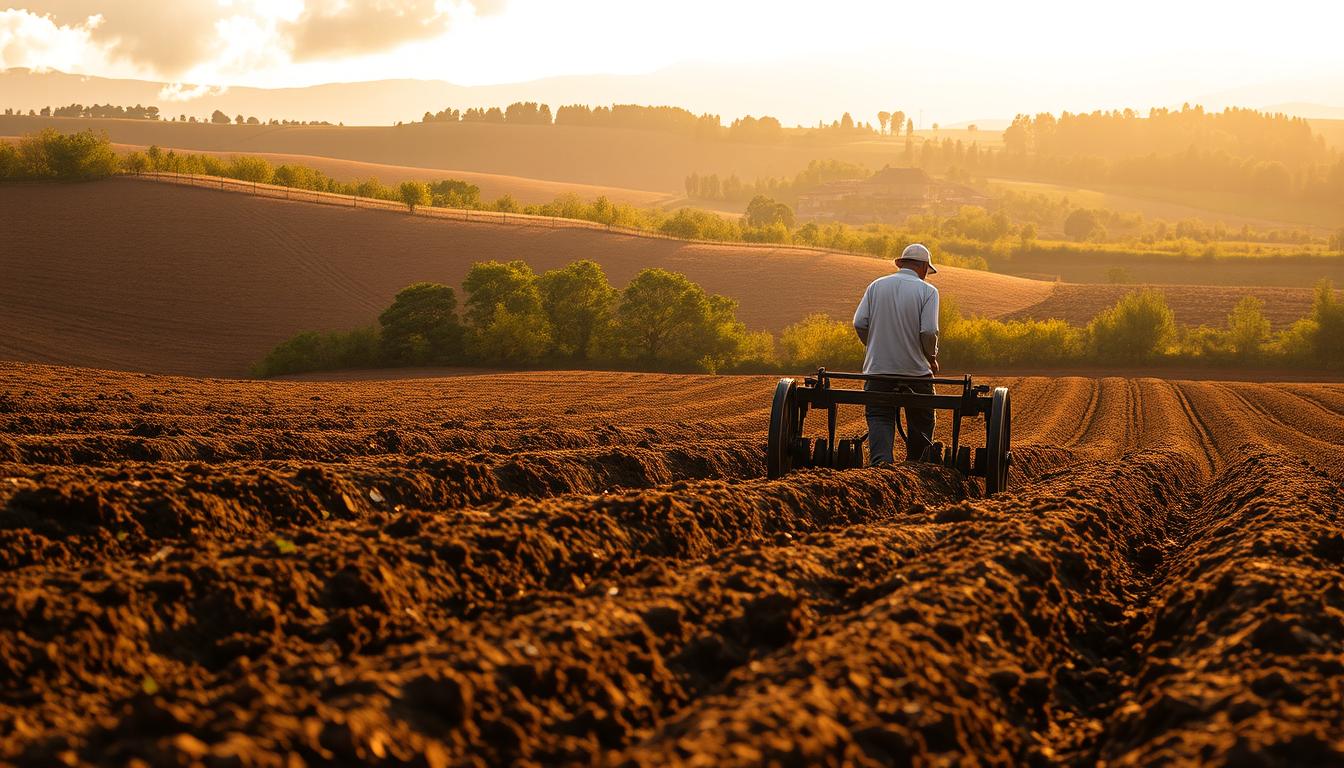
413	193
882	119
219	118
1247	327
910	127
421	326
1083	224
579	302
503	309
1139	327
763	211
665	319
1327	339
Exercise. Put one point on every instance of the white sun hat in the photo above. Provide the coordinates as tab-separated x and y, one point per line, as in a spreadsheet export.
917	252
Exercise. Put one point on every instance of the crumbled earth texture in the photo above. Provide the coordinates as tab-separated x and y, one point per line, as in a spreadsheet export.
580	568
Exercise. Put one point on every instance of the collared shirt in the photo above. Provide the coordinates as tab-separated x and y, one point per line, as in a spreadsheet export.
895	309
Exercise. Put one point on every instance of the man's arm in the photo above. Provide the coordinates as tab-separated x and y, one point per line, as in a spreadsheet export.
862	316
928	330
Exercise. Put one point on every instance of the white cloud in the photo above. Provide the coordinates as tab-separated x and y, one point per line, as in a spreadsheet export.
38	42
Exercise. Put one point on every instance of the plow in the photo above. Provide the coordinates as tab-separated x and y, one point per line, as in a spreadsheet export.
787	447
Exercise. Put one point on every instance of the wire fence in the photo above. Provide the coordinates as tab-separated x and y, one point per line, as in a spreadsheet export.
355	202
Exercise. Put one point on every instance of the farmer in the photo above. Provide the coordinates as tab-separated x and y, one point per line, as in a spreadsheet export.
897	321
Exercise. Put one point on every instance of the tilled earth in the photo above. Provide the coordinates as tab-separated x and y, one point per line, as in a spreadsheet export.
590	568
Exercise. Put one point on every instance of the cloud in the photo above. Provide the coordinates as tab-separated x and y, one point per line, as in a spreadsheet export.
180	92
211	39
38	42
334	27
166	38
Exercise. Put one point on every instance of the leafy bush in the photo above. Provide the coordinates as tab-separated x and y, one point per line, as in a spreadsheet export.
50	154
1140	327
318	351
818	341
978	341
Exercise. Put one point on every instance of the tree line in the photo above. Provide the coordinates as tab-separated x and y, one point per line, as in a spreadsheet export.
710	186
1139	329
511	316
662	321
1269	156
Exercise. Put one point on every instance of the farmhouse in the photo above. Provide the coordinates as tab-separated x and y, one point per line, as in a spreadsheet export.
888	196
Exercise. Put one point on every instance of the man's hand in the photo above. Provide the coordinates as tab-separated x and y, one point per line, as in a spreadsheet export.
933	365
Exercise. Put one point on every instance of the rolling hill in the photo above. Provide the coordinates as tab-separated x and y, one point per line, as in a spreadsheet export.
493	185
138	275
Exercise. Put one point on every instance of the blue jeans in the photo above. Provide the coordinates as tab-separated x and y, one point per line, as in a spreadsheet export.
882	424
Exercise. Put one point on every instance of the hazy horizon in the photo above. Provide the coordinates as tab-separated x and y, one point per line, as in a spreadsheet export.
798	62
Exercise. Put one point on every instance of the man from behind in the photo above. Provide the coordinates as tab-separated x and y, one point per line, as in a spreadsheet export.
897	320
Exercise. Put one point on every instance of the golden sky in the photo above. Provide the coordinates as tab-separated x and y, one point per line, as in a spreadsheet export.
802	61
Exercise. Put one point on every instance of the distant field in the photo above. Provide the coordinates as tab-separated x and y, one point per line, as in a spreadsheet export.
1299	272
492	185
139	275
641	160
1164	204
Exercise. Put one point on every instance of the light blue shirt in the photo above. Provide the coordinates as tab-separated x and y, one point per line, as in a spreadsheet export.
895	310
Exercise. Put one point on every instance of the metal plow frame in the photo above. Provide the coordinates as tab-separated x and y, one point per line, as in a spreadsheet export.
787	449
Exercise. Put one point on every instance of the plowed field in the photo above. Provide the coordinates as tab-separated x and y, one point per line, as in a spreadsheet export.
576	568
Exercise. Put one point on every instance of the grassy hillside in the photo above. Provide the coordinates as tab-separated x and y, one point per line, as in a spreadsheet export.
146	276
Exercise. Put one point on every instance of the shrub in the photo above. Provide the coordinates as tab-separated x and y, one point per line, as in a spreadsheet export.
421	326
978	341
756	352
50	154
246	168
1139	327
317	351
819	341
413	194
451	193
1247	327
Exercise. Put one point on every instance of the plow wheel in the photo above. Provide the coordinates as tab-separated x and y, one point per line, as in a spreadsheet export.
786	431
998	442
